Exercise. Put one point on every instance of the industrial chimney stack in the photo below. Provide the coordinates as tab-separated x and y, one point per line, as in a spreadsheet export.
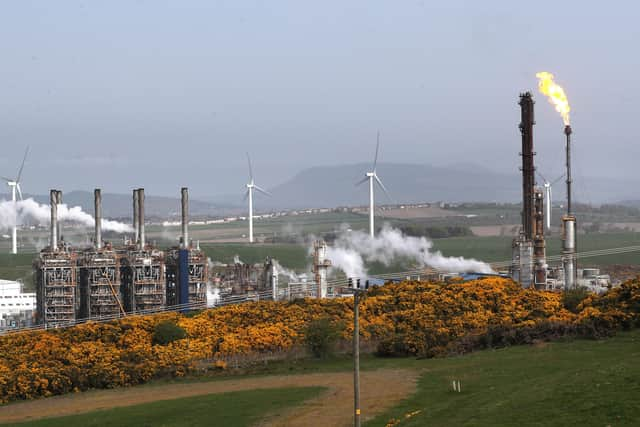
136	218
141	235
97	199
185	218
53	200
569	257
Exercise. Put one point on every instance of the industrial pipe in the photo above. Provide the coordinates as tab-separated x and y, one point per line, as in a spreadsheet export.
97	199
136	218
53	200
185	217
141	217
59	223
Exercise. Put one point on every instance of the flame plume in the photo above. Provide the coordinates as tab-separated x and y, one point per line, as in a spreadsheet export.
555	94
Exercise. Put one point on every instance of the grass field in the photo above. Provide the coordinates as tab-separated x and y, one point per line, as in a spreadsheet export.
491	249
586	383
235	409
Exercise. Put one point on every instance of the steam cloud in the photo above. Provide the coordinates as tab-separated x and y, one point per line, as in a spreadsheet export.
352	249
32	210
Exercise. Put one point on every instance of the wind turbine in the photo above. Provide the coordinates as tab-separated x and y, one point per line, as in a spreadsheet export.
547	192
14	184
371	177
249	194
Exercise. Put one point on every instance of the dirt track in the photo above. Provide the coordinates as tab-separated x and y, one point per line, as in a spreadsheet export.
381	389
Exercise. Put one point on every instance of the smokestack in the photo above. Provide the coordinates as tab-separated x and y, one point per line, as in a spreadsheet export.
185	217
136	218
569	258
59	223
97	198
53	200
141	217
528	170
567	132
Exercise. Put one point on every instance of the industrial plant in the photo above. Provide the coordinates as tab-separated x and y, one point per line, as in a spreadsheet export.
106	281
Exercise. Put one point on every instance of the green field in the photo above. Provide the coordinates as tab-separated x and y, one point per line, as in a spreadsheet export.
587	383
492	249
236	409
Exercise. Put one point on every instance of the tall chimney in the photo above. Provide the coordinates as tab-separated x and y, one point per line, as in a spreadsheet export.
141	217
59	223
185	217
136	218
528	170
97	199
567	132
53	200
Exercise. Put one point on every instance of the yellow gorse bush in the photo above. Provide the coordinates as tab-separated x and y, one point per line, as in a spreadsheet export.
426	316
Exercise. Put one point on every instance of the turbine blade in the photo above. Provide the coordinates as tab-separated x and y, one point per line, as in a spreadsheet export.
557	179
26	152
384	189
542	176
19	191
246	195
363	180
250	168
7	179
375	159
265	192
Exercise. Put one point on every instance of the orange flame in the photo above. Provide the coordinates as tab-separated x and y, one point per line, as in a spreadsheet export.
555	94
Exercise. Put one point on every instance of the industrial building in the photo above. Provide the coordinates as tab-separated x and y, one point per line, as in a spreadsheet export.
16	307
104	281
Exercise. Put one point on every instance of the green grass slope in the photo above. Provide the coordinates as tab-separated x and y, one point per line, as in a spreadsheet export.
583	382
234	409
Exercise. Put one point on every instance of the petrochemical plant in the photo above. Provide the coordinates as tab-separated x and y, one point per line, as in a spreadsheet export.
105	281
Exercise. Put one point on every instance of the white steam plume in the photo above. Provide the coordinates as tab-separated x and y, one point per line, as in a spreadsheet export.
289	274
30	209
353	248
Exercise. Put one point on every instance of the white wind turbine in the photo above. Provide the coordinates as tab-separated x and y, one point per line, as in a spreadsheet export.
14	184
547	192
249	194
372	176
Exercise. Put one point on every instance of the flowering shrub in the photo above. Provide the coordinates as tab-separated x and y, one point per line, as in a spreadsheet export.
411	318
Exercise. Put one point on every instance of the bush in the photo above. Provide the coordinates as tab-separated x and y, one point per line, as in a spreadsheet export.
167	332
320	337
572	298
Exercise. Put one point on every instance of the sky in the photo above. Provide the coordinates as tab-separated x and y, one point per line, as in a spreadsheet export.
163	94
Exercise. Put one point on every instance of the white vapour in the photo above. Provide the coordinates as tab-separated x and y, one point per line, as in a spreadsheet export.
29	209
237	260
353	248
283	271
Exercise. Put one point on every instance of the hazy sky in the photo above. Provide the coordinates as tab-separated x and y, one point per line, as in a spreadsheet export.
122	94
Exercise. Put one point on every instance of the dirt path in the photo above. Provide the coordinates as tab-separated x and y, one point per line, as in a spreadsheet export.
381	389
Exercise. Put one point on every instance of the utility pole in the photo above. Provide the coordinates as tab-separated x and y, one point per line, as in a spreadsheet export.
356	359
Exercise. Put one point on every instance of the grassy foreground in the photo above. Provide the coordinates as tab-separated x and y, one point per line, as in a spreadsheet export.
582	382
234	409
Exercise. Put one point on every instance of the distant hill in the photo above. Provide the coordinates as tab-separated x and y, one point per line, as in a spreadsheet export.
333	186
328	186
121	205
406	183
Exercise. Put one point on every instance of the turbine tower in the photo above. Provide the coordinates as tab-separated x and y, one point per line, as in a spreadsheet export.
249	194
371	177
14	184
547	192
